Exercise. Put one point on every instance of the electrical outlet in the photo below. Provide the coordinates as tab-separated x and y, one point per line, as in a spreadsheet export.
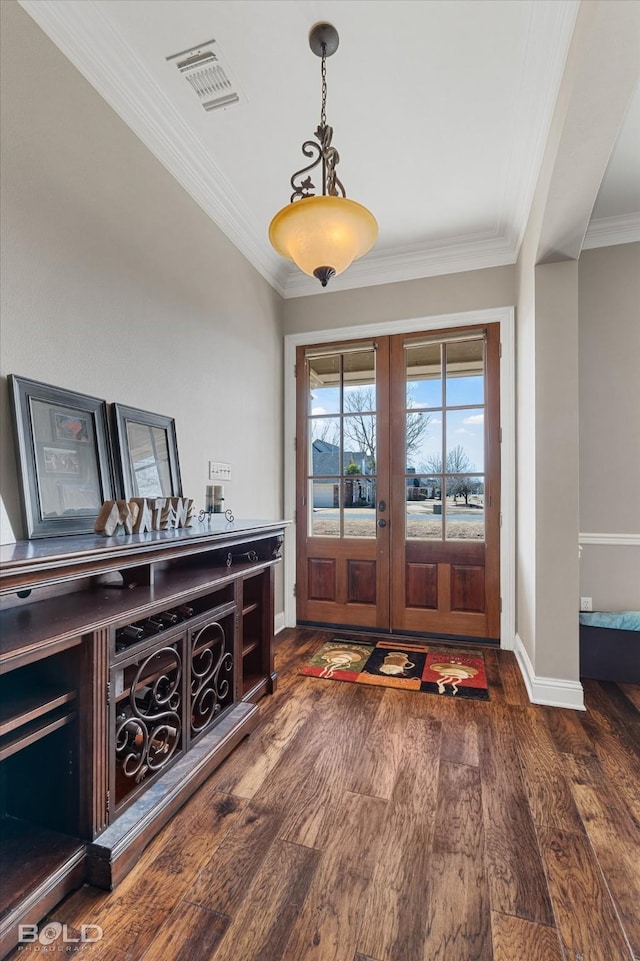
218	470
586	603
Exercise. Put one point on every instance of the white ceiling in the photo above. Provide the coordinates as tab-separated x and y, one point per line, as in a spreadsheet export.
440	110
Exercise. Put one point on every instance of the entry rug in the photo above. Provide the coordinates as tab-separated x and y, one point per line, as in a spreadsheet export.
439	670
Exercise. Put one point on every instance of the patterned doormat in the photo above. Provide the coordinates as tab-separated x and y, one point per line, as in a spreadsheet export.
450	672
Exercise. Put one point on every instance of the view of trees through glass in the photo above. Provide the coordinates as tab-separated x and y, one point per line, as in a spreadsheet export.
444	440
342	442
445	457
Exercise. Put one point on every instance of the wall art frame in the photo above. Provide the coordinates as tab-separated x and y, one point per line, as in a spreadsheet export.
63	455
147	453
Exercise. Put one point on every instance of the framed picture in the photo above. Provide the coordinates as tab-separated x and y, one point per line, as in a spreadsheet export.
147	453
62	441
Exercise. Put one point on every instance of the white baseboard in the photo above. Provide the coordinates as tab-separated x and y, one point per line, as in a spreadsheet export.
280	623
552	691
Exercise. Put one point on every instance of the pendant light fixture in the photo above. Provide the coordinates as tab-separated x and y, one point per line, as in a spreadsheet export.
322	234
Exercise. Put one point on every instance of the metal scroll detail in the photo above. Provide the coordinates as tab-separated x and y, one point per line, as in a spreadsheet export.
250	556
211	673
323	153
277	550
149	732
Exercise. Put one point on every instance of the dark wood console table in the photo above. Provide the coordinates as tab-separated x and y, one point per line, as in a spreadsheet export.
119	698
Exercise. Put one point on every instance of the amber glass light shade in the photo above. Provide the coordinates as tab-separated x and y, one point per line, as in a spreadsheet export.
320	233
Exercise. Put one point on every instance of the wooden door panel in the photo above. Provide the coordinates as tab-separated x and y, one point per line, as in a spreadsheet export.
354	605
422	586
348	595
321	578
361	581
467	589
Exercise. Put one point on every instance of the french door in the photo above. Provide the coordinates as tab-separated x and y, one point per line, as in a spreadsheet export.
398	480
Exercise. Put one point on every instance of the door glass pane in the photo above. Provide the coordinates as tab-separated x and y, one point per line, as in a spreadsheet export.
424	507
359	498
324	456
342	443
424	376
465	373
464	508
359	381
359	443
324	507
424	441
324	384
465	441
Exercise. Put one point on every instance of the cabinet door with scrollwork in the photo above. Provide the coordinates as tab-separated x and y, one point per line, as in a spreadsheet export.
211	671
149	717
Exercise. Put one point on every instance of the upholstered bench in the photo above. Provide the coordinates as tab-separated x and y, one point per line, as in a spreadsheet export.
610	646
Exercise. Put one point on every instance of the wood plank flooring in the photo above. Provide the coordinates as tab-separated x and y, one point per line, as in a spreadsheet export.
363	824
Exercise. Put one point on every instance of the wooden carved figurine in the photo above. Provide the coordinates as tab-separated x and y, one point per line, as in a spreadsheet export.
183	507
156	505
127	515
144	520
108	519
168	519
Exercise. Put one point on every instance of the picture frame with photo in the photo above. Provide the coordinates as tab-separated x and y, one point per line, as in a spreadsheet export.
147	453
64	457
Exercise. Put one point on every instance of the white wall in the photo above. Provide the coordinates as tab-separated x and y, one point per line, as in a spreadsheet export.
116	284
386	303
547	466
609	338
556	445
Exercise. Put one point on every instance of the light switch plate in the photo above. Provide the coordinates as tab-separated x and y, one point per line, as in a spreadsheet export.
218	470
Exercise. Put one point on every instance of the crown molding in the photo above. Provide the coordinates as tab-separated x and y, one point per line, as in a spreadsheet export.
413	262
609	231
540	59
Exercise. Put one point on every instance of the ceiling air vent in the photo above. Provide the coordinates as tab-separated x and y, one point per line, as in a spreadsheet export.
208	76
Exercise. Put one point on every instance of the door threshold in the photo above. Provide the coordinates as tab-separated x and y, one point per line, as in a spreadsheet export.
381	634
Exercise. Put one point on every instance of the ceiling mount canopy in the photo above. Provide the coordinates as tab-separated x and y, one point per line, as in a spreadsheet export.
322	234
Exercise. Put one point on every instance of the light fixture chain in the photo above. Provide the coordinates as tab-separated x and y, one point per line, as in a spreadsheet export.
323	112
322	152
330	231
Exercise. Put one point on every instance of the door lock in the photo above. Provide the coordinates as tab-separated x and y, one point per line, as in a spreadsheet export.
382	506
382	523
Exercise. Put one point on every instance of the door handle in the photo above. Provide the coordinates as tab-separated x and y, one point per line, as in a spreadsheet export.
382	523
382	506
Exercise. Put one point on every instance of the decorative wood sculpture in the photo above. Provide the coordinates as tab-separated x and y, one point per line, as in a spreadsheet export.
108	519
127	515
157	506
144	520
183	507
168	517
142	514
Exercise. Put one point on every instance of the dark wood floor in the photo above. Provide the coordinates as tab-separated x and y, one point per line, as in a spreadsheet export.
359	823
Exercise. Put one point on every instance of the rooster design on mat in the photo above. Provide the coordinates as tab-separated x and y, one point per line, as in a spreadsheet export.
452	672
339	660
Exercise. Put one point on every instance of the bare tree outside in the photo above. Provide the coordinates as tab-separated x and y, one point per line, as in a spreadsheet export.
458	465
326	429
360	404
